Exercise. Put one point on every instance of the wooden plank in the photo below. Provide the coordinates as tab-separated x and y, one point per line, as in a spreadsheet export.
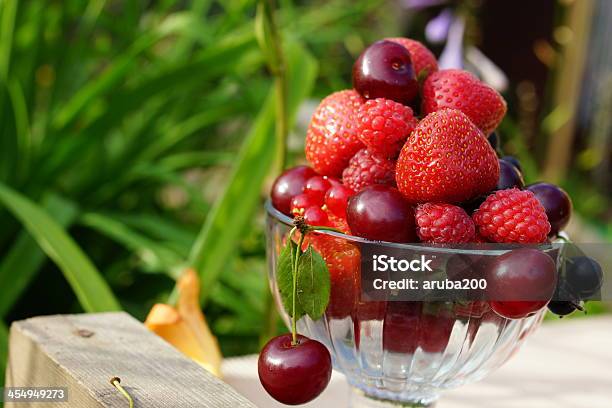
83	352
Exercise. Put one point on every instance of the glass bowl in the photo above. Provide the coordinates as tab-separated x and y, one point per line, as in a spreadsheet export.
392	352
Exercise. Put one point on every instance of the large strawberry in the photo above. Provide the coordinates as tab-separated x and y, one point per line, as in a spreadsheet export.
332	139
446	159
423	60
458	89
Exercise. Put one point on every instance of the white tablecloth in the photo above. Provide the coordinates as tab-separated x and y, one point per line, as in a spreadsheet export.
564	364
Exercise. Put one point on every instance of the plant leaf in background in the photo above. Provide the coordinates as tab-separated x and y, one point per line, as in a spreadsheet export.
86	282
313	283
3	350
234	209
25	257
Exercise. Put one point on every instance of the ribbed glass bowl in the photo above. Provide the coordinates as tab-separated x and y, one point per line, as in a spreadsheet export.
398	352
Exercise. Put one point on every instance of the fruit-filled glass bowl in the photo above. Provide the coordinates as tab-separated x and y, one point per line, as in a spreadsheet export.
397	351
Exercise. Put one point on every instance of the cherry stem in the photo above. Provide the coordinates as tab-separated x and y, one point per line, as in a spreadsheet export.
298	251
116	382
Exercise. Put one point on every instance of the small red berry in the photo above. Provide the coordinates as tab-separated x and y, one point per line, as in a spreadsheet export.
384	126
315	216
294	374
336	199
366	169
301	202
444	223
316	187
512	216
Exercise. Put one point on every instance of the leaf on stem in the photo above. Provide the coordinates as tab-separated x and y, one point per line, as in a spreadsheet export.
284	278
313	283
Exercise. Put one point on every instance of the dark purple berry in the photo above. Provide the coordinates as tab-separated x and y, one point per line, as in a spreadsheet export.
556	202
515	162
583	277
494	140
561	307
509	176
384	70
294	374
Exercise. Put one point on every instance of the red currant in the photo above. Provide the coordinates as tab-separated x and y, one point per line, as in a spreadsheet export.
301	202
337	198
316	187
315	216
288	185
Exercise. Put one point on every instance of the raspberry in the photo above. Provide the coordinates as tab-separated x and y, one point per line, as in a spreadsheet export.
423	60
384	125
444	223
332	139
366	168
512	216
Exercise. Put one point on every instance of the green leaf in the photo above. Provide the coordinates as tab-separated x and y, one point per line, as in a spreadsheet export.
25	257
3	350
86	282
313	283
284	278
233	211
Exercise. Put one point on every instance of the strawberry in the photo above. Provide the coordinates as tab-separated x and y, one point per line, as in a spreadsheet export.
332	139
446	159
423	60
458	89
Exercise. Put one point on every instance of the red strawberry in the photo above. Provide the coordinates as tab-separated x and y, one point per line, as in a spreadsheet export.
444	223
423	60
384	125
446	159
332	139
458	89
367	168
512	216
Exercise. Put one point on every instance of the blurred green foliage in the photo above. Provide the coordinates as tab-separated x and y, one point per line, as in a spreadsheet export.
137	135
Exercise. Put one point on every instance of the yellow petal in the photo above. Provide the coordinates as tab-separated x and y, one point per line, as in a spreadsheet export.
185	326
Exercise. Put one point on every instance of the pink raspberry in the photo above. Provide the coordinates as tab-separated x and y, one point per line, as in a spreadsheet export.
444	223
384	125
512	216
367	168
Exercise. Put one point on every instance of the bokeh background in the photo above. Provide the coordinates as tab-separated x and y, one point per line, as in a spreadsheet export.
136	136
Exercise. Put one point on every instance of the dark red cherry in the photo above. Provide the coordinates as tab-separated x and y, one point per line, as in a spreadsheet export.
520	282
384	70
509	176
380	213
337	198
289	184
294	374
556	202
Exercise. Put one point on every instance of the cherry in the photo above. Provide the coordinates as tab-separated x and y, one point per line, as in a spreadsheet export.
561	307
315	216
401	326
514	161
384	70
381	213
316	187
509	176
336	199
301	202
556	202
583	277
435	329
289	184
294	374
520	282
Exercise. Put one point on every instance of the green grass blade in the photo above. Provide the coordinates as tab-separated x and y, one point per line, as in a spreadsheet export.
3	351
25	257
233	210
154	256
8	12
90	288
